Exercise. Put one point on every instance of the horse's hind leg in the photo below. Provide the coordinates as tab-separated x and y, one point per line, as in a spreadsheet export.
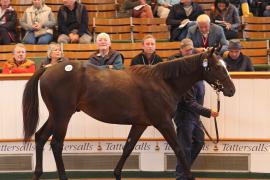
168	132
41	137
133	137
59	133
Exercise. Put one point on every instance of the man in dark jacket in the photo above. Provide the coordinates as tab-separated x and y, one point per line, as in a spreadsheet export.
8	19
105	57
237	61
266	8
73	23
187	117
181	17
148	56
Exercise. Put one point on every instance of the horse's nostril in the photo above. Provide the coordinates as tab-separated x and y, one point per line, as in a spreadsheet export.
232	92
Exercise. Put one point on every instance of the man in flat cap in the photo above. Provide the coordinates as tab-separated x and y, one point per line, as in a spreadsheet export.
236	60
187	117
186	48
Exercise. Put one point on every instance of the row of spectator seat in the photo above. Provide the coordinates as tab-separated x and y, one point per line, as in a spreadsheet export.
102	15
132	29
258	51
96	8
256	27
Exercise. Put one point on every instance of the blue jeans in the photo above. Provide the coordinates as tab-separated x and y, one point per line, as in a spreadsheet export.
190	133
31	39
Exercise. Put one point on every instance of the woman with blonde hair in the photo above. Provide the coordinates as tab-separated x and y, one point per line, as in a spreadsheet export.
38	22
54	55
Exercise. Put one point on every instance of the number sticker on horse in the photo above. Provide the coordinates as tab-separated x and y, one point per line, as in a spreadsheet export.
68	67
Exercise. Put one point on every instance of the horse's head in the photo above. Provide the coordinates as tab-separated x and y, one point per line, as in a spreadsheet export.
216	74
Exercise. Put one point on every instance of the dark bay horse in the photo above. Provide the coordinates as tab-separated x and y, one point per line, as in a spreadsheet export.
140	96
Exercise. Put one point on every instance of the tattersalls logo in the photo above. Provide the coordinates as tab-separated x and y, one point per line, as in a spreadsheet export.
78	147
231	147
16	147
262	147
141	146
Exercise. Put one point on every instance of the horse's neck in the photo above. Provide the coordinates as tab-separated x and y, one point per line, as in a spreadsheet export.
183	83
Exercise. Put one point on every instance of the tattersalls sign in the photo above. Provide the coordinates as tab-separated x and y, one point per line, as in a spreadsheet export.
148	151
141	146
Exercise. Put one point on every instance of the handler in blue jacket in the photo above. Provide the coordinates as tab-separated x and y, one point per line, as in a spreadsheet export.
187	118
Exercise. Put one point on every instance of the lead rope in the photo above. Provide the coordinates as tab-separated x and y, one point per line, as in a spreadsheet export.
216	141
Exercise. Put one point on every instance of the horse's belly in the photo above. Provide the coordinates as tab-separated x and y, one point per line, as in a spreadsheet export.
116	116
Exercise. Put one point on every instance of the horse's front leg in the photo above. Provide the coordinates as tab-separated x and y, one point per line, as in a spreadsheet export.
133	137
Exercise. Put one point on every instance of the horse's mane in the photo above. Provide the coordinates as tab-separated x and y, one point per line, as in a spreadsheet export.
170	69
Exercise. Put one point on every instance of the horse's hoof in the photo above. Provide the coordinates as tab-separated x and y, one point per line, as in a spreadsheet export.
63	177
117	177
191	178
37	175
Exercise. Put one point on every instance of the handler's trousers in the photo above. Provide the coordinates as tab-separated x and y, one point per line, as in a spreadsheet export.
191	135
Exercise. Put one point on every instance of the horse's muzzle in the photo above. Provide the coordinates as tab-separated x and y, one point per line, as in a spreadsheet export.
230	92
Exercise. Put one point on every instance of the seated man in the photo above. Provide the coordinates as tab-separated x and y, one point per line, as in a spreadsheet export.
266	8
260	7
186	49
105	57
73	23
148	56
19	63
8	19
181	17
237	61
164	7
205	34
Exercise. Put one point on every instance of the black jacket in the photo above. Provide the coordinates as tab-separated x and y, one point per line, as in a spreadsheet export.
11	22
77	19
190	106
177	15
142	59
243	63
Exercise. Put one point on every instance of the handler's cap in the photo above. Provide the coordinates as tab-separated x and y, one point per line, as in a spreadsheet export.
235	45
186	44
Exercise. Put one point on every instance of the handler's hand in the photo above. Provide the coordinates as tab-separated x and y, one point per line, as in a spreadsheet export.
199	50
214	113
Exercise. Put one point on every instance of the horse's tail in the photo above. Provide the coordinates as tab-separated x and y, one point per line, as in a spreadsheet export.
30	105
